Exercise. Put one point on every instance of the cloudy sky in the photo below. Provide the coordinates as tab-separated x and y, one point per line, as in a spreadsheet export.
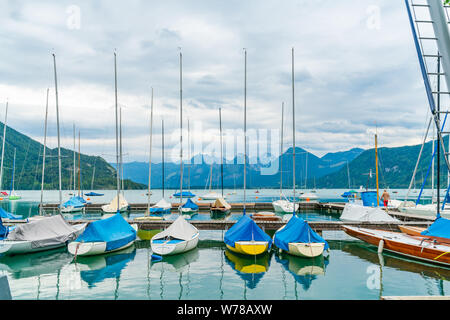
355	69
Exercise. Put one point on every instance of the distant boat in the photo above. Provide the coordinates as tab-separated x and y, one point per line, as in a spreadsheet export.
104	236
189	208
74	204
309	197
184	194
212	196
162	207
39	235
220	208
12	194
94	194
180	237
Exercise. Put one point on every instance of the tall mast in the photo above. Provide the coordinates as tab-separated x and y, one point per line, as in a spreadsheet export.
3	147
79	164
162	138
117	135
376	169
59	138
245	130
348	175
221	148
438	128
181	128
281	151
14	170
150	156
74	162
189	156
121	153
43	156
293	126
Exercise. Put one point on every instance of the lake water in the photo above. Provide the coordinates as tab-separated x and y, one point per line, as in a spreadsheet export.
352	270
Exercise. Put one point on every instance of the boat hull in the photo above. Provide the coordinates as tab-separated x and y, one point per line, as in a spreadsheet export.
306	250
92	248
170	249
413	247
251	248
284	207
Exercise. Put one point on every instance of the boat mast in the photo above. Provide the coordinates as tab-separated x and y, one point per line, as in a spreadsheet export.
150	156
376	169
189	156
74	162
43	156
221	148
59	138
117	134
348	175
121	153
281	151
438	124
14	170
293	126
181	128
79	163
3	147
162	138
245	130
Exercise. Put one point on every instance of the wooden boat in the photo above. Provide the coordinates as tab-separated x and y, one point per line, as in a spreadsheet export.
104	236
40	235
180	237
266	216
417	232
420	248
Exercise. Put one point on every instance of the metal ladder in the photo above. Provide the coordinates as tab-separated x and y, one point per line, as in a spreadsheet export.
426	19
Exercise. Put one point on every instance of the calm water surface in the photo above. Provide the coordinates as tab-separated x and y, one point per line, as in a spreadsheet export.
353	270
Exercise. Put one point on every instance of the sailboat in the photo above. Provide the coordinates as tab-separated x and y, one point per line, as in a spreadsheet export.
76	203
211	195
3	149
433	244
180	236
113	233
370	211
220	208
162	206
92	193
12	194
283	205
245	236
296	237
45	233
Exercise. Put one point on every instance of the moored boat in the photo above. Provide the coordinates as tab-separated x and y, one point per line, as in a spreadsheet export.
104	236
112	206
298	239
179	237
285	206
220	208
265	216
189	208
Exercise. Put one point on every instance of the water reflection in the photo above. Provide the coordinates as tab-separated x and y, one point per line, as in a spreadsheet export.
250	269
94	270
304	271
176	263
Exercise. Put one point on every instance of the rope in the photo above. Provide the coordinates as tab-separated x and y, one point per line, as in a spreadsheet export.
440	255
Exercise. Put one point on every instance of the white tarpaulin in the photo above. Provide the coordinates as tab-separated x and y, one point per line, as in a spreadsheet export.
163	204
354	212
44	232
112	206
221	203
179	229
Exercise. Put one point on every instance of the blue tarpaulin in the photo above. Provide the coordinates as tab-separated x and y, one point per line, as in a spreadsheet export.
76	202
190	204
186	194
8	215
440	228
246	230
369	198
93	194
3	230
297	231
116	231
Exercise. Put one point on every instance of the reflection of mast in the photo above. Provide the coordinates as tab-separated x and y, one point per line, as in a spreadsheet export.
181	285
116	291
57	284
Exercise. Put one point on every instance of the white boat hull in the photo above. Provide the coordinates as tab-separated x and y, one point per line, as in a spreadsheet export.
166	249
92	248
283	206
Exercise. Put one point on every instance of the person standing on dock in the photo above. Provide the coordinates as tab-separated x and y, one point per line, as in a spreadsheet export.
386	197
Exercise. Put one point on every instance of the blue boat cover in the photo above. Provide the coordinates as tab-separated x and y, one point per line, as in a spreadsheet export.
116	231
3	230
186	194
114	266
348	194
369	198
246	230
190	204
93	194
75	202
297	231
440	228
8	215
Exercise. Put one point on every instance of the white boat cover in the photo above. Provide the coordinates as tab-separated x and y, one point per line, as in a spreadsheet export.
354	212
179	229
163	204
112	206
221	203
44	232
212	195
